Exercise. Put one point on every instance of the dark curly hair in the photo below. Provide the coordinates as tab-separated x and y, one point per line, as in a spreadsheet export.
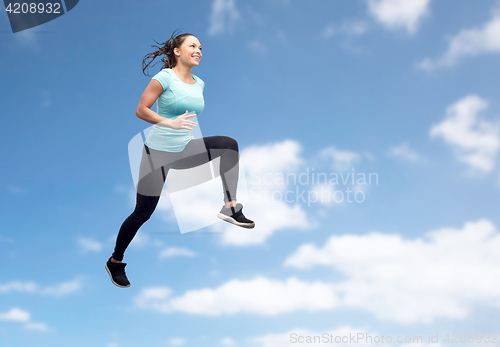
167	49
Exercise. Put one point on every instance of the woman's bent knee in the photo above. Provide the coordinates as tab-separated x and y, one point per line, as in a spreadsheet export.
145	206
231	143
141	215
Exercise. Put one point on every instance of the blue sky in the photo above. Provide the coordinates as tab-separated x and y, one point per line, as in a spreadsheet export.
404	90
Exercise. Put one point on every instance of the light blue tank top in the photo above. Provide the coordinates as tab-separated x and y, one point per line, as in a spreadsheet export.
177	97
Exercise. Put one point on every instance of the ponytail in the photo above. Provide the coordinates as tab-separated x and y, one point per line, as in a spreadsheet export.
167	49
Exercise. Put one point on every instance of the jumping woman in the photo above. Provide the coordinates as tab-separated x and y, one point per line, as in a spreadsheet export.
171	145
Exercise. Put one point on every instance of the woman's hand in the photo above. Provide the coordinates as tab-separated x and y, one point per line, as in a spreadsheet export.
182	122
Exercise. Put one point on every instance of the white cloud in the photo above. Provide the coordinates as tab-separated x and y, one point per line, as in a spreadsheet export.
177	341
469	42
403	151
142	239
15	314
330	30
397	14
120	188
29	40
224	15
229	342
346	28
18	286
259	296
89	245
17	190
6	239
37	327
31	287
342	160
474	140
327	195
112	344
275	157
281	37
257	17
324	193
176	252
443	274
258	47
63	288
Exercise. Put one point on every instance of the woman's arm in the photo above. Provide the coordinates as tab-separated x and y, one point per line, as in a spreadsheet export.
148	98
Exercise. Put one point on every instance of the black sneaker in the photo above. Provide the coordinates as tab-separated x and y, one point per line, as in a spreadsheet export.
235	216
117	273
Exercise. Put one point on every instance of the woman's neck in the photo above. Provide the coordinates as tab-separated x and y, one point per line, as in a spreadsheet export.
183	72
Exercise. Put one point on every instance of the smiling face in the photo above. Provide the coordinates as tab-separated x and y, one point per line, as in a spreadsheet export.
189	53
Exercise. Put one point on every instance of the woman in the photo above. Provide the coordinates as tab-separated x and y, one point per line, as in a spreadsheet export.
170	143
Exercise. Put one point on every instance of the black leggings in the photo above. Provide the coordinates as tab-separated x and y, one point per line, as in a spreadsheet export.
154	170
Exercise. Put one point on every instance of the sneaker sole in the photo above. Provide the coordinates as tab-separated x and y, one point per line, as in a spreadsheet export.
110	276
235	222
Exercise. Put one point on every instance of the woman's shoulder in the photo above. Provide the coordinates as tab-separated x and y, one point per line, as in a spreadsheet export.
164	78
165	71
199	80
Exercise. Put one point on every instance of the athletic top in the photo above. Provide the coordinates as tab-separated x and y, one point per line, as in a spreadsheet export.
177	97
